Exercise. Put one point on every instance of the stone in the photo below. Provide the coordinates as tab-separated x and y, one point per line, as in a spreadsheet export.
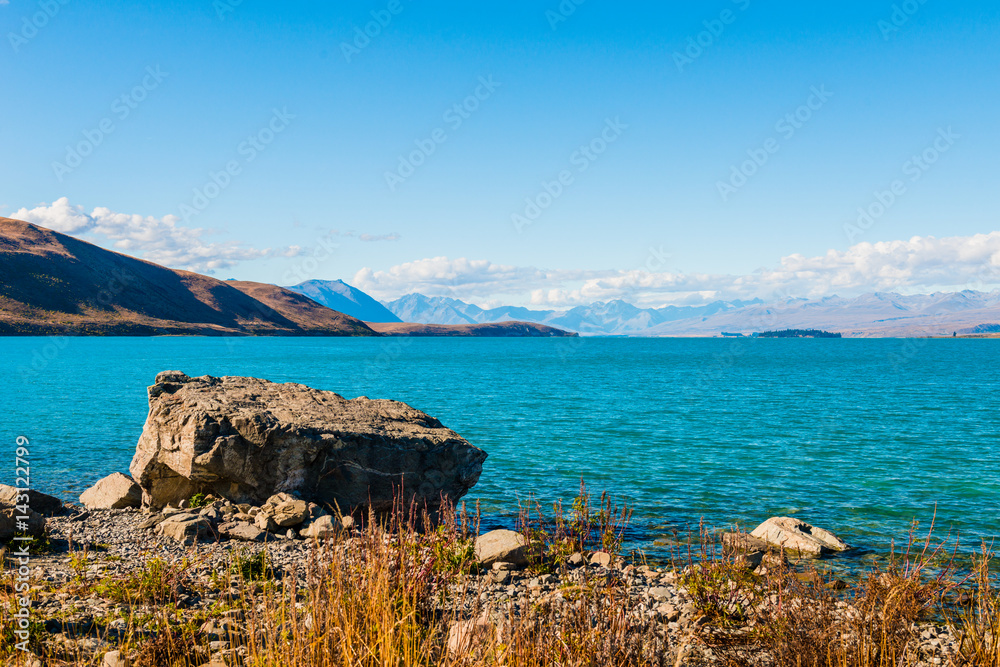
185	528
771	562
798	537
245	439
743	542
471	637
500	576
212	514
243	532
290	513
669	612
749	560
10	516
44	504
660	592
323	527
114	659
576	559
601	558
502	546
114	492
264	521
218	629
151	522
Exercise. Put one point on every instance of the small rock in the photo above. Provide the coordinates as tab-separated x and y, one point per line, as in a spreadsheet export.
114	659
502	546
263	521
471	637
660	592
244	532
601	558
322	528
500	576
212	514
668	612
290	513
577	559
116	491
185	528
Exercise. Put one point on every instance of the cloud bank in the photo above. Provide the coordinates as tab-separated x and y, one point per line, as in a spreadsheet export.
159	240
961	262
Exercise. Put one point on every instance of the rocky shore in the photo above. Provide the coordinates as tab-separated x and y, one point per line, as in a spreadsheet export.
263	520
82	620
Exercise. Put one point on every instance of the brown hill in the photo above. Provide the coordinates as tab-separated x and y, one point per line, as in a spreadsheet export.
494	329
51	283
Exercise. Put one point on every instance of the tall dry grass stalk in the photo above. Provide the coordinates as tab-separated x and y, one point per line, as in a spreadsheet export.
394	591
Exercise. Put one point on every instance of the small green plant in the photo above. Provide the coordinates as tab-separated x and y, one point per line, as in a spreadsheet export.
553	540
9	641
37	545
251	567
453	556
78	563
159	583
197	500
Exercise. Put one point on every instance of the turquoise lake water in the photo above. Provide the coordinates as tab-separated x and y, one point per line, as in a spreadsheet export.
858	436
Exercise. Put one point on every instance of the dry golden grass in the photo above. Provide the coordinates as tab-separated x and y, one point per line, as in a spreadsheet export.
391	593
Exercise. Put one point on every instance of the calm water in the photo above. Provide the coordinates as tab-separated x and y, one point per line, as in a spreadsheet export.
859	436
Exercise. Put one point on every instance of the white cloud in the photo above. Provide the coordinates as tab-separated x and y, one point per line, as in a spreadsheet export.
922	262
461	278
368	238
159	240
373	238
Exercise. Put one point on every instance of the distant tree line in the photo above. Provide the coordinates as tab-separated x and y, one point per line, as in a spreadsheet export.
799	333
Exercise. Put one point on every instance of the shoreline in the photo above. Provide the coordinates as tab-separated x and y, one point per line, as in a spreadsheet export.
79	608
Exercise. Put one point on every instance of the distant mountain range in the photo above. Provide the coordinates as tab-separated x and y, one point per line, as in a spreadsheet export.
611	318
340	296
54	284
869	315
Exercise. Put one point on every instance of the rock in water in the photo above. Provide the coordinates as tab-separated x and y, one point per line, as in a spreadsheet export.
247	439
798	536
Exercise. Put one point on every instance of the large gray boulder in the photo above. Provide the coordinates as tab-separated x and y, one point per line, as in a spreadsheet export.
247	439
798	537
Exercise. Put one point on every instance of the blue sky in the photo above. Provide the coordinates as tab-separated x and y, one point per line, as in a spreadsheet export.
308	117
